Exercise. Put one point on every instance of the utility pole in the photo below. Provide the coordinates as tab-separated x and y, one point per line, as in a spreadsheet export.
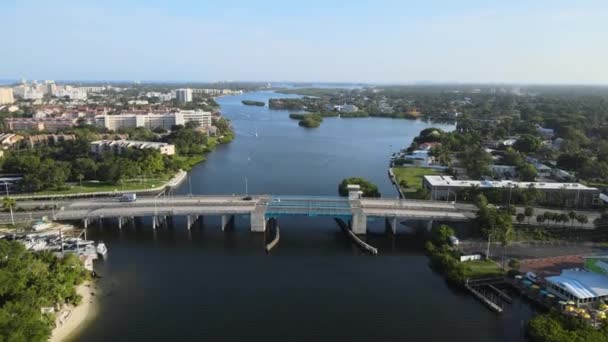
246	187
488	249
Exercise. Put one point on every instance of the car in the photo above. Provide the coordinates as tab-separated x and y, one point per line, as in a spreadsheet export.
247	198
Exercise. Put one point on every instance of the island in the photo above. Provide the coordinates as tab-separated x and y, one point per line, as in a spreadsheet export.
253	103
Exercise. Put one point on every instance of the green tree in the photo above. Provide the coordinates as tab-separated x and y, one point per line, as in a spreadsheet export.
527	143
529	212
440	235
369	189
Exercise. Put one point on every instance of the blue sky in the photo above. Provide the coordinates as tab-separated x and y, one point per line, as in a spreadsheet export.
383	41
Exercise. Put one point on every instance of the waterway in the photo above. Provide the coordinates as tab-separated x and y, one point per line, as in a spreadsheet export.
204	284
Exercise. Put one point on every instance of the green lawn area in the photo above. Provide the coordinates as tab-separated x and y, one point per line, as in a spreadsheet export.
187	163
413	177
139	184
482	269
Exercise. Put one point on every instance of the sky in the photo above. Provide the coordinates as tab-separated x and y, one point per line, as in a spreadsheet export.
381	41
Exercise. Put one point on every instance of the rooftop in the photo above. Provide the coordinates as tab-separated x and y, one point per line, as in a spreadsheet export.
581	284
449	181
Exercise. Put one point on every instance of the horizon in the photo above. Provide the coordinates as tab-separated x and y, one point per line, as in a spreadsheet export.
387	42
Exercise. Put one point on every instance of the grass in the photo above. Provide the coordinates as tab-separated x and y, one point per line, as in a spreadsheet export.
482	269
413	177
139	184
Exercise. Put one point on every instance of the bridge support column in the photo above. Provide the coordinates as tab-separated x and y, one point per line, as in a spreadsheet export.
190	220
359	222
227	221
258	221
391	225
429	225
201	221
154	222
119	222
85	223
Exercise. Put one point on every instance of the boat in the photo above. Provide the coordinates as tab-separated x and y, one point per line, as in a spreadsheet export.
102	249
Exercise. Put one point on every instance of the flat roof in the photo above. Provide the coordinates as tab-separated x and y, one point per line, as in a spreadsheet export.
449	181
581	284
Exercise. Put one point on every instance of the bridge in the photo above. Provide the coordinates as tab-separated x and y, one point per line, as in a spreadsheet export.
353	209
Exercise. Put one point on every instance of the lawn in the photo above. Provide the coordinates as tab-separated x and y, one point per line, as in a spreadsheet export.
482	269
136	184
413	177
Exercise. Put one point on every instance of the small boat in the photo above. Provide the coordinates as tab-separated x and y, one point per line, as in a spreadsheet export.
102	249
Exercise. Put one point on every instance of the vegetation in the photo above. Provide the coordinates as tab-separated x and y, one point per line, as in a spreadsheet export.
59	167
555	327
410	179
253	103
446	260
29	282
369	189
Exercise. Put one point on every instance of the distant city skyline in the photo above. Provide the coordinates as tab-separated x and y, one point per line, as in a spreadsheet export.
381	42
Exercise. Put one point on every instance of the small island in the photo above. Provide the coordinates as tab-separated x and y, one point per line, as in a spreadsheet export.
308	120
253	103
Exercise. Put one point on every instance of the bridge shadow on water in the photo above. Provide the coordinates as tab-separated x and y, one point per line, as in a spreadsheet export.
298	235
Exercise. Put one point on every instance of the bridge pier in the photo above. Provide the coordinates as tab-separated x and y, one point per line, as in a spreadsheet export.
359	222
391	225
190	220
154	222
85	223
227	221
429	225
257	221
201	221
119	222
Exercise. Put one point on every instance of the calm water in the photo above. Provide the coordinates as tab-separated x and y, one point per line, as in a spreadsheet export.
214	286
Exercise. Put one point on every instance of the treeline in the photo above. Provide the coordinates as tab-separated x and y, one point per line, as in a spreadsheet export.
29	282
253	103
50	167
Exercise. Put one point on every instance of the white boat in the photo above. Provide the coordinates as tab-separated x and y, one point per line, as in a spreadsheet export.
42	225
102	249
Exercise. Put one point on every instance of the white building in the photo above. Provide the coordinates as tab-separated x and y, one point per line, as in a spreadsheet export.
183	95
71	92
119	146
565	194
580	286
152	121
6	96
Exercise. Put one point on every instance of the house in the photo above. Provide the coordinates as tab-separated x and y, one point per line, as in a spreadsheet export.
7	140
427	146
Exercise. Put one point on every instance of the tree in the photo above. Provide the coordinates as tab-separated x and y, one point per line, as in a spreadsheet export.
572	217
9	203
440	235
476	161
540	218
527	143
529	212
527	172
369	189
520	217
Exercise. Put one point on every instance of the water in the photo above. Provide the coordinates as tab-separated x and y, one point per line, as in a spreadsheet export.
209	285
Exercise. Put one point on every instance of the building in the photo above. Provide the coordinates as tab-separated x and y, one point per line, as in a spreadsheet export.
347	108
118	146
183	96
153	121
49	139
6	96
580	286
7	140
45	124
572	195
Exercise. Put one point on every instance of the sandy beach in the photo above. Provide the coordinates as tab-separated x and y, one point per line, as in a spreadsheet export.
70	320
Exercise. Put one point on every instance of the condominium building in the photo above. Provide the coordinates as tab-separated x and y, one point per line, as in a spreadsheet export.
45	124
119	146
6	96
573	195
183	95
153	121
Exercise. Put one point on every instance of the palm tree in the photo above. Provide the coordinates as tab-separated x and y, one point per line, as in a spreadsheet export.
572	216
9	203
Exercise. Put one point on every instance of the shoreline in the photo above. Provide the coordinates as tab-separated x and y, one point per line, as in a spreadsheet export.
72	319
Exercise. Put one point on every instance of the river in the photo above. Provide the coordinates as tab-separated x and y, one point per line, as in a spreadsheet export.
205	284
